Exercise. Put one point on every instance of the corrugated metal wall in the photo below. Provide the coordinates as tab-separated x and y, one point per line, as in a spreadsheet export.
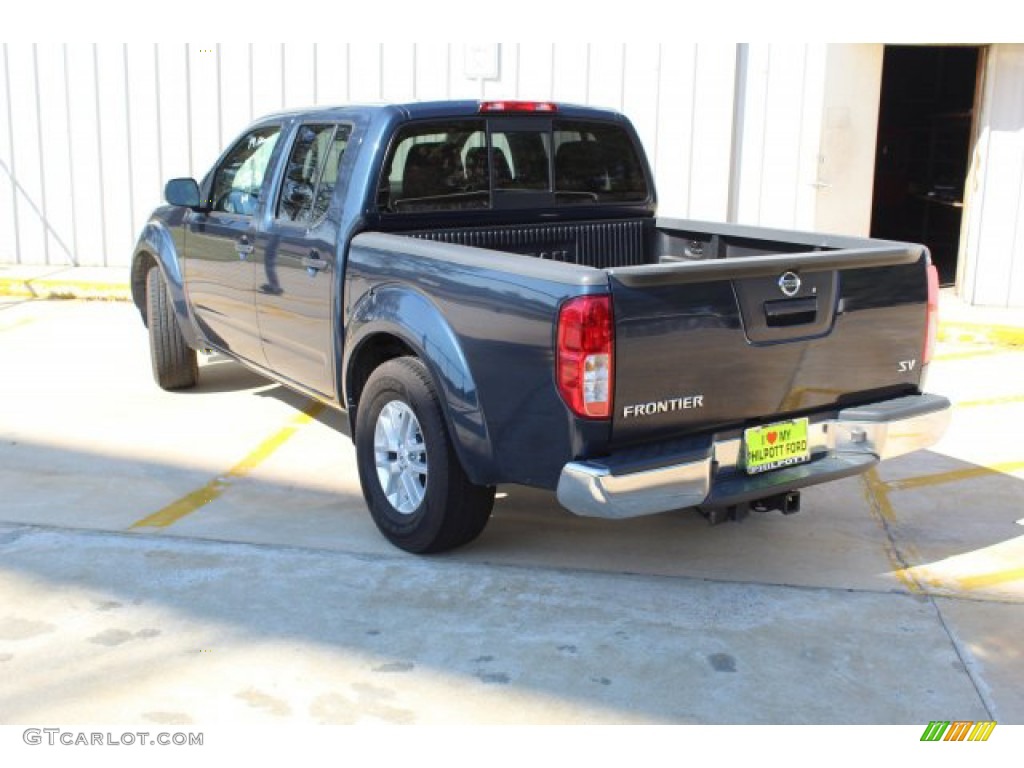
89	133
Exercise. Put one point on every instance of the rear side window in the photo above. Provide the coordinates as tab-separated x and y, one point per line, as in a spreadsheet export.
460	165
312	172
329	175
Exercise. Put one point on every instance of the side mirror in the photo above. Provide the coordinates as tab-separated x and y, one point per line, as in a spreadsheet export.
183	192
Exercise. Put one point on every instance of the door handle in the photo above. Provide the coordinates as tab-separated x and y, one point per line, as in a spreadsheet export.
313	262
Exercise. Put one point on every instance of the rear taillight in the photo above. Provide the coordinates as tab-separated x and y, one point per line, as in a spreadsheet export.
933	314
585	356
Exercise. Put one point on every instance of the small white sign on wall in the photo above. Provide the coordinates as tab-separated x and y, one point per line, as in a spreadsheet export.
482	61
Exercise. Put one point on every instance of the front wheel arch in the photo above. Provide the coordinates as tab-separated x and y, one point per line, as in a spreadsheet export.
141	265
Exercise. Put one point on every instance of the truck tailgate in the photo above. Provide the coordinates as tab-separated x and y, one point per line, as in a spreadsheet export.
713	343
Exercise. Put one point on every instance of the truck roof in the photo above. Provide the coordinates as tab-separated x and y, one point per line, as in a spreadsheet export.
439	109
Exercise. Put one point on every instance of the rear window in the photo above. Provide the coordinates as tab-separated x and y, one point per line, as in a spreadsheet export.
459	165
596	163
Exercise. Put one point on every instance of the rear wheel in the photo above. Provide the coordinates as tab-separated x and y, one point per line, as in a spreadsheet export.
175	365
418	494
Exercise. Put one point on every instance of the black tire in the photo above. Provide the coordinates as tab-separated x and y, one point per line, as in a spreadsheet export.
451	510
174	362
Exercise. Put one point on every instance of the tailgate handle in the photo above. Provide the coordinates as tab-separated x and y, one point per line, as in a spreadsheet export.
785	312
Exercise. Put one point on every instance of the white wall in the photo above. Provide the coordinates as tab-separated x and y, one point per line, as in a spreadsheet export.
844	186
993	243
89	133
780	135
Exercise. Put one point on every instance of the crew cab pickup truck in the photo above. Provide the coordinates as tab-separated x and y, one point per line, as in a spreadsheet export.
486	291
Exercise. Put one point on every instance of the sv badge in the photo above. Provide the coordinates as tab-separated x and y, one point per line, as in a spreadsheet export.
906	366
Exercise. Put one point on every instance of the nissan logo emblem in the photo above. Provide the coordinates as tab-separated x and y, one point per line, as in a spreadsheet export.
789	283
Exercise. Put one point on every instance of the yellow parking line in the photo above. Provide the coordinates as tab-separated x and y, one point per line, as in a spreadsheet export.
878	491
945	583
877	496
983	580
189	503
968	572
953	476
42	288
990	401
922	579
969	354
1006	335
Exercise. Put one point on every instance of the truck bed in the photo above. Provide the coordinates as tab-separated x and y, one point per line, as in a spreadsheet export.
706	337
607	244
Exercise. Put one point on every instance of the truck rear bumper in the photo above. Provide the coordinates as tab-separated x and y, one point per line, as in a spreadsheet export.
708	472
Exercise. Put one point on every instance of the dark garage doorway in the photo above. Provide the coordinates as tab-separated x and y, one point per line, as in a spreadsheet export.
925	125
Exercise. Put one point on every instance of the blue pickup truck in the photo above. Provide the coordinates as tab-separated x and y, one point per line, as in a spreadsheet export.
486	290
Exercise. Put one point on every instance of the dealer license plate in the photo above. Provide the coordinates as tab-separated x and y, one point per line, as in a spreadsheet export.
775	445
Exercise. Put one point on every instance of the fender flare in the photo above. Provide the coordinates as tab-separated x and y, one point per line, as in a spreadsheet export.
157	245
403	313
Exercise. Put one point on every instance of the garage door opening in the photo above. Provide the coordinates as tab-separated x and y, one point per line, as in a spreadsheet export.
925	124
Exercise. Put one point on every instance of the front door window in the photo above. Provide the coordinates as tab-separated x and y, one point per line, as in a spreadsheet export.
239	179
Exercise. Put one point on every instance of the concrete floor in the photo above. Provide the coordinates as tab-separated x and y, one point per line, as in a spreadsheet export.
206	557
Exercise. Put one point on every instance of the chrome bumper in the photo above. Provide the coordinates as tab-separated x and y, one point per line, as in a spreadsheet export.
680	475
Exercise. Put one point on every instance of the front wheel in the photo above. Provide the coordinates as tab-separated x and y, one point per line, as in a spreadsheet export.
417	492
174	363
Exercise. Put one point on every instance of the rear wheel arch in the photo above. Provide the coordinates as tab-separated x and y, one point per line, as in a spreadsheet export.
371	353
463	414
